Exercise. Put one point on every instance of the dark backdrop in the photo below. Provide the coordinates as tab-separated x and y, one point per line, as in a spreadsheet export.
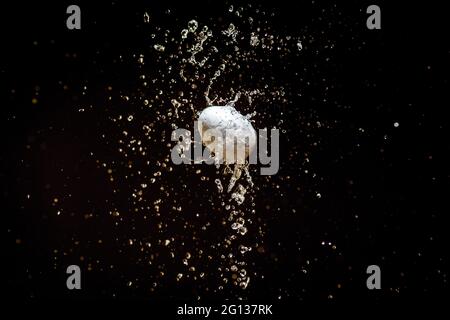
383	188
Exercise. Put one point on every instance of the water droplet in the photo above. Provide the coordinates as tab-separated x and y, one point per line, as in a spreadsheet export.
146	18
192	26
159	47
219	185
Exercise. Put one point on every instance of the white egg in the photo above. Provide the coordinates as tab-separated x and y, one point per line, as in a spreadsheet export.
232	131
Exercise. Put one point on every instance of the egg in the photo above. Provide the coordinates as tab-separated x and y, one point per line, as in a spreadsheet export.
227	133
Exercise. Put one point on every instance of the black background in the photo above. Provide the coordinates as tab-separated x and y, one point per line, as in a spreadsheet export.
394	179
